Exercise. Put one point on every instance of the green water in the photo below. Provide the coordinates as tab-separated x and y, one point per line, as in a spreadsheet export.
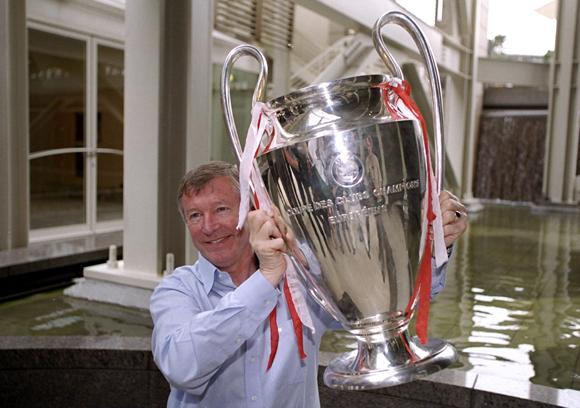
53	314
511	305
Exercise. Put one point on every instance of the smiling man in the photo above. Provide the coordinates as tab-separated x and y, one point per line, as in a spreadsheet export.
212	337
209	202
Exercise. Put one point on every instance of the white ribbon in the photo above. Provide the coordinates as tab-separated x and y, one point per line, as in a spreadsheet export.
297	296
250	179
248	170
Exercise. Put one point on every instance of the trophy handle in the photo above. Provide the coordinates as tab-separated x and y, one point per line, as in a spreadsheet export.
300	261
259	92
420	40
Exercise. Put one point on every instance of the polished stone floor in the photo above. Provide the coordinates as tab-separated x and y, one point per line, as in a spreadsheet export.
511	305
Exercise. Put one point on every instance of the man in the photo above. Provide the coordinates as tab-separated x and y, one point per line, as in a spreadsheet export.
211	337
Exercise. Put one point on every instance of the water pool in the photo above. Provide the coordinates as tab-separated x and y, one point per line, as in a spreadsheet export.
511	304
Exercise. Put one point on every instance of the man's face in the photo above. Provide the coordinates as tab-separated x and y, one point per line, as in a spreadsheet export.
212	216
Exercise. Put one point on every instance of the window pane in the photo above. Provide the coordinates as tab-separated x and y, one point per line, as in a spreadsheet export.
57	186
57	120
110	133
57	91
110	187
110	98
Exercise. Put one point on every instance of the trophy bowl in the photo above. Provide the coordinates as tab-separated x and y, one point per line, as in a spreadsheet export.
350	175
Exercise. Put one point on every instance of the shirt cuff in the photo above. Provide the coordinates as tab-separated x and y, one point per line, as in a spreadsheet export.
258	294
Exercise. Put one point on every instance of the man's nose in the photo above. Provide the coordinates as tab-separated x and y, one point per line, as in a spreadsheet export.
209	224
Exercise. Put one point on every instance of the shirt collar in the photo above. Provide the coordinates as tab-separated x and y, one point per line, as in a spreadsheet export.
207	272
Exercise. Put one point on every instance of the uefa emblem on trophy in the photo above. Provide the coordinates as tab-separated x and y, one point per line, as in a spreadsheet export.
347	163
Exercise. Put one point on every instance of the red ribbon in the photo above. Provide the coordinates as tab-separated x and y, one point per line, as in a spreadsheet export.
296	324
422	287
274	337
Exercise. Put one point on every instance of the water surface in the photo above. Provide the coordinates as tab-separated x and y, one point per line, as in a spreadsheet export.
53	314
511	305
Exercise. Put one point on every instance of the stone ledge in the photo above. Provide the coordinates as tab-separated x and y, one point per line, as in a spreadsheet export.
41	256
51	264
55	371
110	292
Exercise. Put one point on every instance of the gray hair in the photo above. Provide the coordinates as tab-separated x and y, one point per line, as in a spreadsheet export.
195	180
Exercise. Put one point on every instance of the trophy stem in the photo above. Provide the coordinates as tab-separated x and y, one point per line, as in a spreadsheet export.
395	360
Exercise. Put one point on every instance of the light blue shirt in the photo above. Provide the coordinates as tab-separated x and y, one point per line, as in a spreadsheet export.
211	341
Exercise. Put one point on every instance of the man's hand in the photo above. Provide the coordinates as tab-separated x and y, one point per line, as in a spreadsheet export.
454	217
266	238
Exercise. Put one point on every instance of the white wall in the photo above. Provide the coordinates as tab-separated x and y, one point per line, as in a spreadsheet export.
91	17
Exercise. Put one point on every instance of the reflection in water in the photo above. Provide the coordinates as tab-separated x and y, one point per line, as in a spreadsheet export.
512	300
52	314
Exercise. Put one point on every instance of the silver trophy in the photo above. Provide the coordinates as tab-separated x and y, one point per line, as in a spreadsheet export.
350	178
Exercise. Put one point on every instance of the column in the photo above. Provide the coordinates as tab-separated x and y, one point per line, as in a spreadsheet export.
142	159
13	125
199	97
563	128
472	111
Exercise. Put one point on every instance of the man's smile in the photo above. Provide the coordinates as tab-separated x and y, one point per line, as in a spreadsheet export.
217	240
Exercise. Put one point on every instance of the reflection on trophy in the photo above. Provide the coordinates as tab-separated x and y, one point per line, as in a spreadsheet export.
348	167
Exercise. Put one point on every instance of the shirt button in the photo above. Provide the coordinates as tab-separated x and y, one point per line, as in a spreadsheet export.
252	359
268	302
238	339
254	398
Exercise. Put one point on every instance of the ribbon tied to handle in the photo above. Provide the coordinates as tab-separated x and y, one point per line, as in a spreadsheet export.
260	128
397	99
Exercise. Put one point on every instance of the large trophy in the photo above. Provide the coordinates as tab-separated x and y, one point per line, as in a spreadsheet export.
347	164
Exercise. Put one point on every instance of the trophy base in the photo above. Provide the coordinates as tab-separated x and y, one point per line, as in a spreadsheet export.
394	361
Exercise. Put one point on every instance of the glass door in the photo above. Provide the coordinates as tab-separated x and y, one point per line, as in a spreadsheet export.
76	134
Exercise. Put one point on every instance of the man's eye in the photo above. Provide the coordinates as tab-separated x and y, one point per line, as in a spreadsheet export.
194	217
222	209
